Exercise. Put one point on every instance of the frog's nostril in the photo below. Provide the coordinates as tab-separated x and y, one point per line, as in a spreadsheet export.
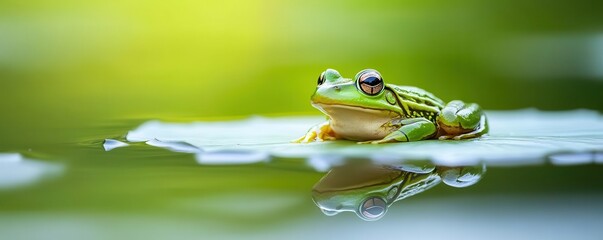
337	88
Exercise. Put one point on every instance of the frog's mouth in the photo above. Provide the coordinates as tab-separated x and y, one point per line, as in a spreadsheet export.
358	123
341	111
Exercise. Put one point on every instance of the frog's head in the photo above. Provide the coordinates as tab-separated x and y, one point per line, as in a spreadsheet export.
366	190
366	92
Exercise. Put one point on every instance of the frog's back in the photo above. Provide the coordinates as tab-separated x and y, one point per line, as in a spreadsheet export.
417	95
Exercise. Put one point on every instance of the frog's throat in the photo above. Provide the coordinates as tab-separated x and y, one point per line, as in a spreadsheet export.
358	123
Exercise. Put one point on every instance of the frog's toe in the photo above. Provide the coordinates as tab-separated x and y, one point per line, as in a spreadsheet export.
446	137
457	137
454	137
309	137
328	138
474	134
303	139
463	136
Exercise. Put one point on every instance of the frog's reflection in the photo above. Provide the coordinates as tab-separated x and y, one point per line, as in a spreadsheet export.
368	190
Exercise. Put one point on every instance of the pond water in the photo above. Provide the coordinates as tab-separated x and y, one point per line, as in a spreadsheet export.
154	190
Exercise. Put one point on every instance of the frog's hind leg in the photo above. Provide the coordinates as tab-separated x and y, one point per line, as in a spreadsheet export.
412	129
481	129
459	120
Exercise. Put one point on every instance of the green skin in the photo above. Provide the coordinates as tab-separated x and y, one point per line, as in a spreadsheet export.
395	114
348	188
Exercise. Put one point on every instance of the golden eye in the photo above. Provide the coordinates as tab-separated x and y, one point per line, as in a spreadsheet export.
370	82
321	79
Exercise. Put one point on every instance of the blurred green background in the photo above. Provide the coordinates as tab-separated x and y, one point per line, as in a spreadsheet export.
75	72
69	64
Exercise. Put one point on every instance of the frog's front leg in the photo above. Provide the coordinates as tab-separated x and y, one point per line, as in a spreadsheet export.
413	129
319	132
459	120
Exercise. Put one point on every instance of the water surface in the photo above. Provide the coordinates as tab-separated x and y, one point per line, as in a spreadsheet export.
147	192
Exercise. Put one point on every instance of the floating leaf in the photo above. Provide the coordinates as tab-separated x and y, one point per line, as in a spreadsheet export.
110	144
15	170
516	138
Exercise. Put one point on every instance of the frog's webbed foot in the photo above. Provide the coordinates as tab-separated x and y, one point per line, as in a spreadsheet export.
413	129
320	132
461	121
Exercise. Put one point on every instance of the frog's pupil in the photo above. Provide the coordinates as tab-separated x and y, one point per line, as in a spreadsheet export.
372	81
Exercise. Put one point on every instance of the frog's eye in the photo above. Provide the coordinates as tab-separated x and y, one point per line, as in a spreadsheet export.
370	82
372	208
321	79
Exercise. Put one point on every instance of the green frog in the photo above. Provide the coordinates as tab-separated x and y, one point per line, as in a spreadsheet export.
367	110
369	190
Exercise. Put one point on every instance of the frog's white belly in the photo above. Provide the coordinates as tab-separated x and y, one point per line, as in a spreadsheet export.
359	124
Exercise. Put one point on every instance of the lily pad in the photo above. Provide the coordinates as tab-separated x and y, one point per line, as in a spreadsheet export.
516	138
16	171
